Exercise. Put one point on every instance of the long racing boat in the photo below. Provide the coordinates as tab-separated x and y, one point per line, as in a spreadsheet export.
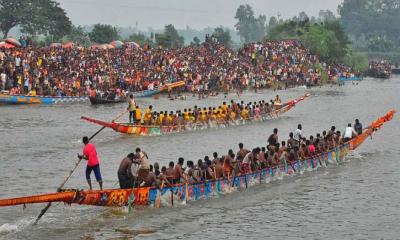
154	130
185	192
26	99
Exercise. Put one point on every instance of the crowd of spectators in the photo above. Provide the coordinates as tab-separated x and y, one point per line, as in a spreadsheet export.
74	70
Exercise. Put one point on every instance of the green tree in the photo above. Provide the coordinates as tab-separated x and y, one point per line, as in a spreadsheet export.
170	38
196	41
223	36
34	17
103	33
139	38
78	35
250	28
372	19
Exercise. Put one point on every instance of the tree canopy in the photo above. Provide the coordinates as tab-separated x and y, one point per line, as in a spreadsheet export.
372	23
103	33
223	36
169	38
325	37
250	28
34	17
139	38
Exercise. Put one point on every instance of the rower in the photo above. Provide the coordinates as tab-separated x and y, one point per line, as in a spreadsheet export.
89	153
349	133
125	175
178	171
138	115
277	100
143	160
358	127
148	116
273	139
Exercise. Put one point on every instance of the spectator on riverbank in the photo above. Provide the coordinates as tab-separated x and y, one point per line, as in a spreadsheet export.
209	67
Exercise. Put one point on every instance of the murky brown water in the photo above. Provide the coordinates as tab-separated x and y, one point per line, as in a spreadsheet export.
358	200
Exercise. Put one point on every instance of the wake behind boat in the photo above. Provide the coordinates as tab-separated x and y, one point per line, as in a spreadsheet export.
209	122
184	192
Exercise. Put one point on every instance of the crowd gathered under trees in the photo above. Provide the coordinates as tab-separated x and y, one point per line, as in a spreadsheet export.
318	49
211	65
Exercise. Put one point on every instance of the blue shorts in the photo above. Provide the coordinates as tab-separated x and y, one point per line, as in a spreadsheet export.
96	170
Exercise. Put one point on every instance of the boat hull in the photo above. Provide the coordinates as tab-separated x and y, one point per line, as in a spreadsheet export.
97	101
22	99
345	79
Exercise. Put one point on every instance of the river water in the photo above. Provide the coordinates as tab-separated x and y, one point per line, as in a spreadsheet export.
356	200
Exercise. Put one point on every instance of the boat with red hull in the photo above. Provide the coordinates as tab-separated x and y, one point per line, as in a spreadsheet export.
151	130
182	193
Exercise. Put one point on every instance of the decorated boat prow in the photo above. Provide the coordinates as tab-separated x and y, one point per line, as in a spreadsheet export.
193	191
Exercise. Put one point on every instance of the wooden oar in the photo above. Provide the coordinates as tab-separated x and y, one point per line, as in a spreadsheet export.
44	210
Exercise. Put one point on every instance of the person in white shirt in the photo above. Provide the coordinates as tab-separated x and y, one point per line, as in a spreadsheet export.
349	133
297	133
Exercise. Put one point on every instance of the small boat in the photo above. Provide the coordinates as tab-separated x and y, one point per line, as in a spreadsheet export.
99	100
152	92
185	192
395	70
24	99
345	79
139	94
152	130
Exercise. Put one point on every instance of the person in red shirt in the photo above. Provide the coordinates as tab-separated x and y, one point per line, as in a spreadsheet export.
93	163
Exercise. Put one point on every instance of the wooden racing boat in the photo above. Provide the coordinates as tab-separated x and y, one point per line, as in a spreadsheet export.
182	193
25	99
146	130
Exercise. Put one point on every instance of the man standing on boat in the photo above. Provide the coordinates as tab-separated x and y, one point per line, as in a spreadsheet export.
349	133
144	169
131	108
358	127
93	163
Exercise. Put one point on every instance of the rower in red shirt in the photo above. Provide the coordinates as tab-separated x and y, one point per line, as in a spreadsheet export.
93	163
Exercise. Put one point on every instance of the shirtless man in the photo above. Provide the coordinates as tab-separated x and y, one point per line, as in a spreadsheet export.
150	179
125	175
241	153
178	171
169	173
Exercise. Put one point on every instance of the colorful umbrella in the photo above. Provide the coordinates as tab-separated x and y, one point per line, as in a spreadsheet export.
117	44
13	41
68	45
133	45
55	45
6	45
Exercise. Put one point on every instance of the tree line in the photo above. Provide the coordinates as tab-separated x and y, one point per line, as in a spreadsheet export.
361	25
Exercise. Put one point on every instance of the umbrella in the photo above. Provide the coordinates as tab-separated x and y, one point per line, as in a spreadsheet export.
133	45
13	41
68	45
95	46
6	45
117	44
55	45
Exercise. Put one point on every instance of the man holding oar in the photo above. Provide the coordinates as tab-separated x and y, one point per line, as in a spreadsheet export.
93	163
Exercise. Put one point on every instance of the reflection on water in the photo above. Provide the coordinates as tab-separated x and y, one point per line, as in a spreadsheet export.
354	201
